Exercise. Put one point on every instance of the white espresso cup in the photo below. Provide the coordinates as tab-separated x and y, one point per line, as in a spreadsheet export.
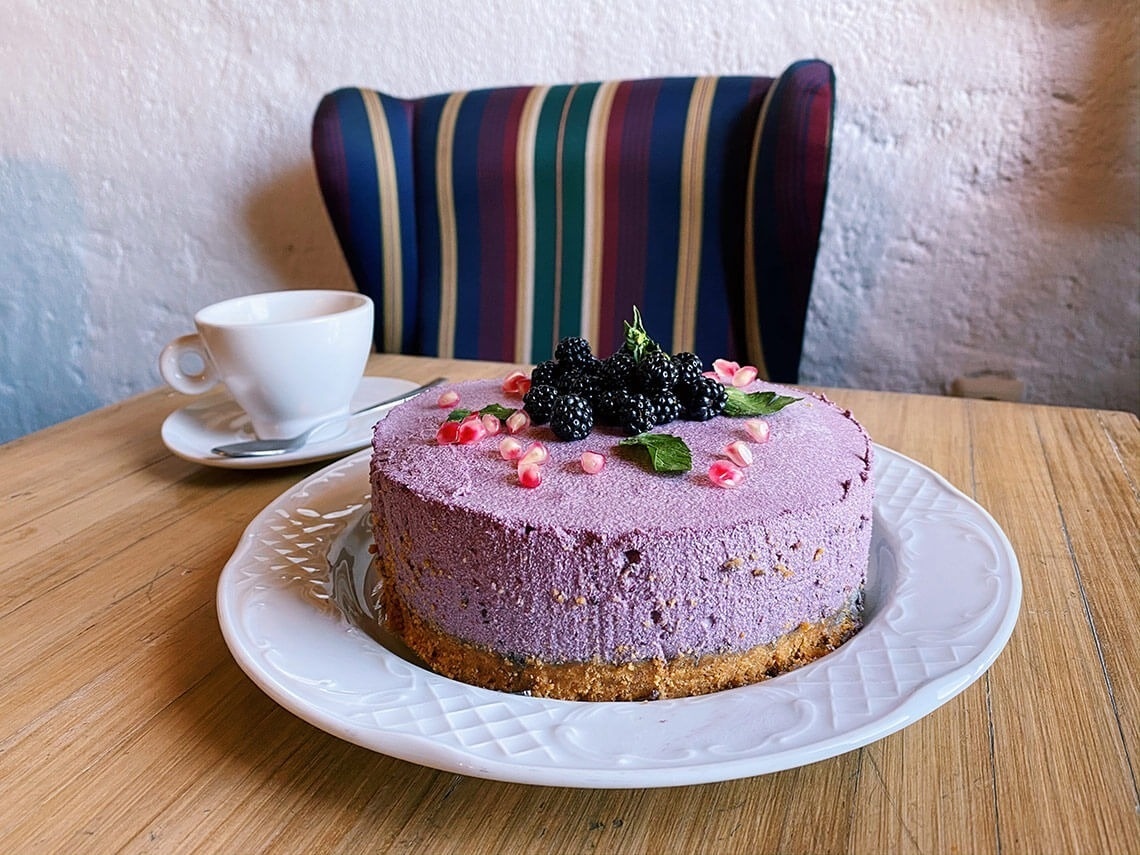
291	359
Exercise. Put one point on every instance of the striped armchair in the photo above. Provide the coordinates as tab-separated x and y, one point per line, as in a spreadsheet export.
489	224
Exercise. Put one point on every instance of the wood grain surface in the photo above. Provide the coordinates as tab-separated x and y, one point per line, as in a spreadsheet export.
126	725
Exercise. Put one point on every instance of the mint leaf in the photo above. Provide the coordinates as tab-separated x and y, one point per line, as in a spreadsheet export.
496	410
755	403
667	453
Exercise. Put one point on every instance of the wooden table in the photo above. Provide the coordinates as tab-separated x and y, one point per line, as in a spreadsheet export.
125	723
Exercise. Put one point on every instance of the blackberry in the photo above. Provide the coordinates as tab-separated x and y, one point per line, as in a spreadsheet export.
606	405
688	366
702	398
579	381
656	373
546	373
666	408
635	413
572	417
539	402
617	370
573	351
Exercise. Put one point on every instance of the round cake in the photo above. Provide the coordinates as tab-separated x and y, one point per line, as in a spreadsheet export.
625	583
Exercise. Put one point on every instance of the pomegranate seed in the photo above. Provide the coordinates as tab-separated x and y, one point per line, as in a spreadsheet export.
530	475
745	375
725	369
448	399
725	474
517	421
516	383
447	434
757	429
537	453
491	424
471	431
510	448
592	462
739	453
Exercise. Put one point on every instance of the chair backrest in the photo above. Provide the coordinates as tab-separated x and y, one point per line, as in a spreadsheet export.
489	224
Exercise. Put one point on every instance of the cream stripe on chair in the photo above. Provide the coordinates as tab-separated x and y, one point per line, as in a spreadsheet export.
389	202
753	343
448	245
692	214
560	214
595	207
524	197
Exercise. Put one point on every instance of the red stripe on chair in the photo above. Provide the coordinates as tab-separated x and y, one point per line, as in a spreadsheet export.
630	288
498	222
625	234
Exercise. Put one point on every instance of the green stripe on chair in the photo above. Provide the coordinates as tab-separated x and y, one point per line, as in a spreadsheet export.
547	192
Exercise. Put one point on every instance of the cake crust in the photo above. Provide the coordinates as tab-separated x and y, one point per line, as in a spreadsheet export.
643	680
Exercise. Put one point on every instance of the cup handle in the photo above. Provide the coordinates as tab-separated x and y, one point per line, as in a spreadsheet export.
170	366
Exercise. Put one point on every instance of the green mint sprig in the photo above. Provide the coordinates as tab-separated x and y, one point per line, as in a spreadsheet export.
637	340
667	453
742	404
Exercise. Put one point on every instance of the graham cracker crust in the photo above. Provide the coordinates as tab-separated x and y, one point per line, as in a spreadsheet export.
650	679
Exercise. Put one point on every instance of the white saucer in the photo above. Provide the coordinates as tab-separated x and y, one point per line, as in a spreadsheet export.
192	431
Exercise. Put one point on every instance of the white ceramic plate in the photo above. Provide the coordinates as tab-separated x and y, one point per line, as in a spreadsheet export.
942	598
217	419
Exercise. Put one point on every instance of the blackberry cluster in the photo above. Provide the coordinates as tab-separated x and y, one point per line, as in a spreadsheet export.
633	392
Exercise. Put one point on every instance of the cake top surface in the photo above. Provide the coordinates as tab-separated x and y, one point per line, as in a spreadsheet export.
814	452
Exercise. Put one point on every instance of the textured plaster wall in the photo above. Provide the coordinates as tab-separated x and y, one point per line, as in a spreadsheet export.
983	211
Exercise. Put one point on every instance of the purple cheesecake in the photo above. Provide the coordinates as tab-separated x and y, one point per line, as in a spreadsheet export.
626	584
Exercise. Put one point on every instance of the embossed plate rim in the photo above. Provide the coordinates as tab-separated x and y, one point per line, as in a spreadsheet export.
929	635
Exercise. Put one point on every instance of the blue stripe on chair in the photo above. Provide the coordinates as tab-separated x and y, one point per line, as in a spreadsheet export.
359	223
347	172
666	162
427	116
465	189
732	125
399	115
666	148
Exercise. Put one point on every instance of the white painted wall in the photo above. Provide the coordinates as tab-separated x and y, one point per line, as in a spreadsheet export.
984	210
